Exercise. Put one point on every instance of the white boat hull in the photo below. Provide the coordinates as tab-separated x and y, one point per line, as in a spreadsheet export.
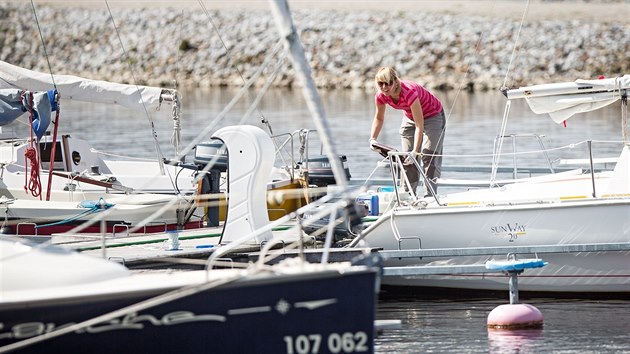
556	223
121	213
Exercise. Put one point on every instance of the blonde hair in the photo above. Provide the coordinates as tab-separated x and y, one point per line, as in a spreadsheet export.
386	74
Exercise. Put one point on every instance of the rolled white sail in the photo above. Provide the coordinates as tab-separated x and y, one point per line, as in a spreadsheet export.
575	87
563	107
77	88
562	100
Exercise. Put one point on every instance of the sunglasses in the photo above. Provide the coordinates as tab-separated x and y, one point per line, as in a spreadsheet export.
381	83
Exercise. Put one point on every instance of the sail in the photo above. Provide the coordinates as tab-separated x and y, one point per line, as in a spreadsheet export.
563	100
77	88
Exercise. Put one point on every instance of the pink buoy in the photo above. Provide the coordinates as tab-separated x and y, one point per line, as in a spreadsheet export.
515	316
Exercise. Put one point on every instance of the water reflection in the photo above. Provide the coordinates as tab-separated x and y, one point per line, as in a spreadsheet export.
443	323
513	341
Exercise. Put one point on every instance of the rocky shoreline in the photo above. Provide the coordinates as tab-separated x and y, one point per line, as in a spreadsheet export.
449	51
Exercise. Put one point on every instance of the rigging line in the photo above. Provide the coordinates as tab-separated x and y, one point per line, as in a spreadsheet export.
498	151
269	81
229	55
378	167
229	107
495	163
243	90
41	36
260	95
459	89
144	106
514	49
176	107
177	50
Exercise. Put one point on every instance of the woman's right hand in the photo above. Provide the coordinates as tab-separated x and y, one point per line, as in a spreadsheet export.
372	143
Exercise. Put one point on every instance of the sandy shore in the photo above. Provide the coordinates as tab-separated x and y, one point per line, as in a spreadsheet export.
599	11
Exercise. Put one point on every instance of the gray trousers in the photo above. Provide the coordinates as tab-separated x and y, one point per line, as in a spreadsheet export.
432	143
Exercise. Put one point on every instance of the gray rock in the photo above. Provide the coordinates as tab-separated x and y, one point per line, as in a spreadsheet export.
160	45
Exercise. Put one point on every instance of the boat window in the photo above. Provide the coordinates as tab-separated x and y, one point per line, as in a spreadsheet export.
45	151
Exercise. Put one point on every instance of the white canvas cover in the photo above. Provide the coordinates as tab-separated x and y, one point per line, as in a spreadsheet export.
562	100
563	107
77	88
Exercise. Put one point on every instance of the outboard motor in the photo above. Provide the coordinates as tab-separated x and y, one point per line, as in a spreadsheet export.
207	152
319	170
211	157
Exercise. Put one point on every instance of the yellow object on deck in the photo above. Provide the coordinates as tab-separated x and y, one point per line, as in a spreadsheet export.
283	198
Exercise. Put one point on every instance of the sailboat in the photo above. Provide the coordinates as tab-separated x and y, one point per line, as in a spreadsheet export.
585	210
54	299
57	183
80	174
51	299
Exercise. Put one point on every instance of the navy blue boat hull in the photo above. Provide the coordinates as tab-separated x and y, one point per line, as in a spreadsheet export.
323	314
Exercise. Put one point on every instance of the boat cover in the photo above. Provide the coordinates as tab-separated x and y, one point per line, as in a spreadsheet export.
77	88
563	100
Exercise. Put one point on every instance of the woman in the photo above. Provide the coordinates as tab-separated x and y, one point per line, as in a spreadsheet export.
422	124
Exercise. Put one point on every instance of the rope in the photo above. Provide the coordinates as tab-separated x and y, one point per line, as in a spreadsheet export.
477	46
104	153
176	107
459	89
270	79
518	34
144	106
92	210
243	90
177	127
41	36
229	55
35	187
497	152
34	184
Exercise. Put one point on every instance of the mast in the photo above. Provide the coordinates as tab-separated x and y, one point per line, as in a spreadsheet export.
282	15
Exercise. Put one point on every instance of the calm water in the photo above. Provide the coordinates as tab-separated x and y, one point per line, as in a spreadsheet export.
428	326
458	326
474	120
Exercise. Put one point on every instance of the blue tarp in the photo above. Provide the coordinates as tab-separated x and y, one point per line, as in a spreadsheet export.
13	104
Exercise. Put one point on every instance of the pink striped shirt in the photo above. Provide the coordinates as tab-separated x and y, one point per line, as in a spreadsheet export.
409	92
